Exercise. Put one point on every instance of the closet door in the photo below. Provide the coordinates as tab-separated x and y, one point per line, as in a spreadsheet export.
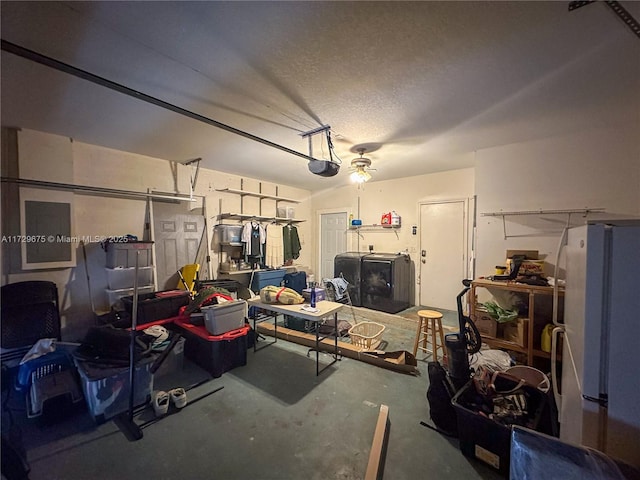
179	240
333	227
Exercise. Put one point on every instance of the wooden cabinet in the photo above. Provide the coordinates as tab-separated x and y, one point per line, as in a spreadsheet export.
537	307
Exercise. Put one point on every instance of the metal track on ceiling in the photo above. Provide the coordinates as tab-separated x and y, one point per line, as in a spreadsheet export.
618	9
85	75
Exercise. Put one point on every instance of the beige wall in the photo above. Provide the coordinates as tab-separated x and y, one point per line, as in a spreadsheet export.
402	195
99	216
595	169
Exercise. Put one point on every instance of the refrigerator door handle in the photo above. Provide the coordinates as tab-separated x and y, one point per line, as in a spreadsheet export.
554	365
561	244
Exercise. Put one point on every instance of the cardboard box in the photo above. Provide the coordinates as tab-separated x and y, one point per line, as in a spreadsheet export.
528	254
516	331
320	294
528	267
487	326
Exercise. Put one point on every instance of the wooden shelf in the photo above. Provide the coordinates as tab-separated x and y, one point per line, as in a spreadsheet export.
516	287
532	291
500	343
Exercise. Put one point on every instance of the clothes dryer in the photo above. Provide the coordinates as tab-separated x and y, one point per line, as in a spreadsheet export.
348	265
386	281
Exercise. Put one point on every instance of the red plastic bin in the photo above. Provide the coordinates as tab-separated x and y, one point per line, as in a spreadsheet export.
216	354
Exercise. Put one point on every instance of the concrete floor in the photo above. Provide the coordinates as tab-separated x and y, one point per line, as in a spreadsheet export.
273	419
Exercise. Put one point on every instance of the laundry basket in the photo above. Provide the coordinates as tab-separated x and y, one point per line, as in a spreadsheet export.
366	335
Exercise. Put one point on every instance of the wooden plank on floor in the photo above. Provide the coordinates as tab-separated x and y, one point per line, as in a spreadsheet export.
379	446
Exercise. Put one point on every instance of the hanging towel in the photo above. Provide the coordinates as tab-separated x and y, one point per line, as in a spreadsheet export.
291	242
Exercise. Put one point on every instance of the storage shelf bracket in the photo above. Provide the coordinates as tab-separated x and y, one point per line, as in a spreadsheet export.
567	212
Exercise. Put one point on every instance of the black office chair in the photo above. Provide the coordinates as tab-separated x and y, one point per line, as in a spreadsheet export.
30	312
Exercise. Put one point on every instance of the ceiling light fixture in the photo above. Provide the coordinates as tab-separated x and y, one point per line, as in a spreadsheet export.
361	165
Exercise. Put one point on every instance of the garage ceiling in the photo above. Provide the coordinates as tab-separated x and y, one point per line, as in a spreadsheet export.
421	85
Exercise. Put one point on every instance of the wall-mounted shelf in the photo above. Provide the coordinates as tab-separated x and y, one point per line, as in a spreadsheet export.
239	217
257	195
568	212
262	196
245	216
374	228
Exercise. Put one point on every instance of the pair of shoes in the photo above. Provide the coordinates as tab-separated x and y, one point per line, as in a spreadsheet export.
178	397
160	402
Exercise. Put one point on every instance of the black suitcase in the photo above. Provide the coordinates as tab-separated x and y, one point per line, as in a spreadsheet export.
296	281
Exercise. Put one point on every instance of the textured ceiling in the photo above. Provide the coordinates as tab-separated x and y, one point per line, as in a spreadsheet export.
421	84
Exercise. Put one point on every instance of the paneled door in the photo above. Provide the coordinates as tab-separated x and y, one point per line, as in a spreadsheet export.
333	228
442	253
179	240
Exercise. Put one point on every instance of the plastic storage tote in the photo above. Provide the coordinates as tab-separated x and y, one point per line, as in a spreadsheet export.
114	296
121	277
124	254
267	277
228	234
106	390
221	318
156	306
216	354
490	441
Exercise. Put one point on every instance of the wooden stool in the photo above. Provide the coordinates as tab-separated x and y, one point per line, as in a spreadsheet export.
430	331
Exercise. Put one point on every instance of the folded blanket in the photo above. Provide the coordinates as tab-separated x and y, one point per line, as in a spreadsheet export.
286	296
339	286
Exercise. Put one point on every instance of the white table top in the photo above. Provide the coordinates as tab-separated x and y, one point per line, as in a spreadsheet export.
325	308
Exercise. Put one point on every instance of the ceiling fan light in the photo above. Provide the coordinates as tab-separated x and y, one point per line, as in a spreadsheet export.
360	176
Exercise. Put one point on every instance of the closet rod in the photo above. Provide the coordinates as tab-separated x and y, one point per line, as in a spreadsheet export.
102	190
85	75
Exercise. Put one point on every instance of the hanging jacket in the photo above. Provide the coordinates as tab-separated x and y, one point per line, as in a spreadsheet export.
291	242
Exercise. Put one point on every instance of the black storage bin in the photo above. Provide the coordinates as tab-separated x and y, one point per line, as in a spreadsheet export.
154	306
296	323
216	354
230	285
488	440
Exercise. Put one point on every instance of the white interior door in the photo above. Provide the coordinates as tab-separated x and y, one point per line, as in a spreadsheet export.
333	228
442	253
179	239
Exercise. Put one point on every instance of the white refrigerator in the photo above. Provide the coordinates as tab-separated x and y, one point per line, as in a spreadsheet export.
599	406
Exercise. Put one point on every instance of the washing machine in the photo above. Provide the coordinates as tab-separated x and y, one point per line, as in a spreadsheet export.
385	282
348	265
